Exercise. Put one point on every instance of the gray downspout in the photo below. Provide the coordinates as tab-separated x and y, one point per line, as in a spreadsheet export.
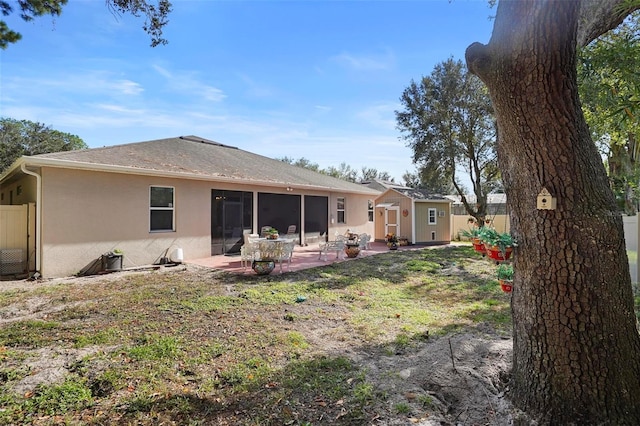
38	213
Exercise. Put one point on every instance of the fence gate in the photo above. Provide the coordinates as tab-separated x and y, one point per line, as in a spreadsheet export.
14	238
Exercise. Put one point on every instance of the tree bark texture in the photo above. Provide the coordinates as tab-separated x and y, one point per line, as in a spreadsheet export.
576	355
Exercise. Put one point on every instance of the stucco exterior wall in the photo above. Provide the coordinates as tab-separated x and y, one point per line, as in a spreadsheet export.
87	213
356	215
22	191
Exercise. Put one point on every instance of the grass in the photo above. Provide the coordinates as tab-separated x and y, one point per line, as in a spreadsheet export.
188	348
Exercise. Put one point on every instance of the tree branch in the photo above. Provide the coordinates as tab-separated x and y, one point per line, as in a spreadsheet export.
598	16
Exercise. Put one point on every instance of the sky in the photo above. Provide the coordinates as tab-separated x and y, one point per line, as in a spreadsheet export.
319	80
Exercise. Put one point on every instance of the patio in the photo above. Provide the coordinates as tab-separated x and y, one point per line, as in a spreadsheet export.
303	258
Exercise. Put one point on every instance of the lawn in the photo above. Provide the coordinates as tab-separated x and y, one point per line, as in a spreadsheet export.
193	346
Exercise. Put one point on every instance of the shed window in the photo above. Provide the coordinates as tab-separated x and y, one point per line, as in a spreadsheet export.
433	214
370	210
161	209
341	210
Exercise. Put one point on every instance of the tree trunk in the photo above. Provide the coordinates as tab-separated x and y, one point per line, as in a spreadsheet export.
576	355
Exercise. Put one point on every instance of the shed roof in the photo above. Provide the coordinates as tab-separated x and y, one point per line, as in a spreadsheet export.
193	157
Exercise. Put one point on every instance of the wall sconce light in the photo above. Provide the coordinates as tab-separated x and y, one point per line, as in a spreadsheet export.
289	189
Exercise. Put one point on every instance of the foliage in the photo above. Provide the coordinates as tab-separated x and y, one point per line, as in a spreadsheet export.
432	178
391	238
343	171
18	138
156	16
471	233
610	94
492	238
505	271
268	230
447	119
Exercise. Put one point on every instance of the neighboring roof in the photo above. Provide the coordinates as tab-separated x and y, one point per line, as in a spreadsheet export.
419	195
471	198
193	157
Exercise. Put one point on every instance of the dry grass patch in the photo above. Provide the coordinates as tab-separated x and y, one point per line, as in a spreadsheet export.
197	346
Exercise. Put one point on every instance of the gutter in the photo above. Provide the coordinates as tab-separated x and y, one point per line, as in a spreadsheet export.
38	212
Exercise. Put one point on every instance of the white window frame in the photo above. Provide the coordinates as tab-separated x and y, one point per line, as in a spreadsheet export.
433	216
171	207
370	210
343	210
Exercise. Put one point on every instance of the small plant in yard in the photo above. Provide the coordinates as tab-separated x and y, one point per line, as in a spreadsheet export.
402	408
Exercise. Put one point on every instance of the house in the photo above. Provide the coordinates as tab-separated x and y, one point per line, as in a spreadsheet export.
185	195
414	214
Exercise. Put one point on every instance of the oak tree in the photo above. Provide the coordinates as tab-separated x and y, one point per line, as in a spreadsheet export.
447	120
576	355
24	137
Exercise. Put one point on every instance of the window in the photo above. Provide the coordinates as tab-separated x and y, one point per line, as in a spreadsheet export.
433	216
341	210
161	209
370	210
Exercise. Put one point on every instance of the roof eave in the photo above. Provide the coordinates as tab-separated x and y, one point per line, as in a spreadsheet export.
78	165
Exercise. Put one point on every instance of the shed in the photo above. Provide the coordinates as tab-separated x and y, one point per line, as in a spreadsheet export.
415	214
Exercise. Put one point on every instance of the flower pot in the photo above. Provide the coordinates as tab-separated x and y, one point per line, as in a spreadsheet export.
112	262
392	246
506	285
263	267
352	250
272	236
478	246
495	253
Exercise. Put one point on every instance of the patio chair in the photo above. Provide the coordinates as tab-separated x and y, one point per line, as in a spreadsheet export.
291	229
363	241
337	246
248	249
285	253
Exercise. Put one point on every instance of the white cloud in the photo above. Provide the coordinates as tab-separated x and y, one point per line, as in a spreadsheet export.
188	83
128	87
364	62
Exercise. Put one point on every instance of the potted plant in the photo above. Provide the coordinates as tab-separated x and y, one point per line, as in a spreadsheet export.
271	233
392	241
505	277
498	245
112	260
474	234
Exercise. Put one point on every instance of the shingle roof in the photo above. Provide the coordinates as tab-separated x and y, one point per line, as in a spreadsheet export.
422	194
193	156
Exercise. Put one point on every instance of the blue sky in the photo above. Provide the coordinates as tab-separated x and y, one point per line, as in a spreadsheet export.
313	79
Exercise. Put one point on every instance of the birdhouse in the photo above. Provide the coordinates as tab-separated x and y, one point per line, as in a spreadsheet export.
546	201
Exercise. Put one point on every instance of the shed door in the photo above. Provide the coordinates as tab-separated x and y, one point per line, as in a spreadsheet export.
392	220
